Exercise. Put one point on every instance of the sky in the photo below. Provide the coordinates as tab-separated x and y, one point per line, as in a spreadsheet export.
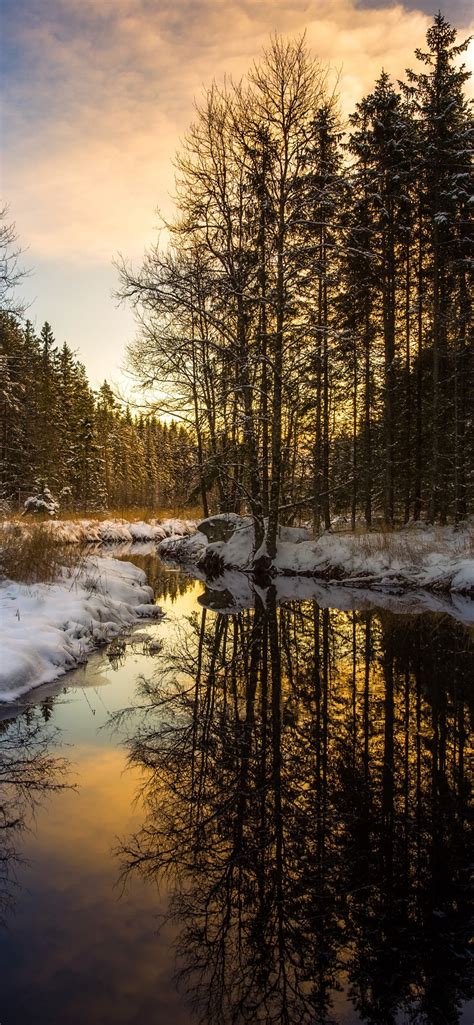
98	93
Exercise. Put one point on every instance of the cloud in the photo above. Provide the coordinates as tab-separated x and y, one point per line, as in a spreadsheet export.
459	12
96	97
99	94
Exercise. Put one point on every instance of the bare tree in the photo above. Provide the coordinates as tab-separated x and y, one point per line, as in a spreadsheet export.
11	271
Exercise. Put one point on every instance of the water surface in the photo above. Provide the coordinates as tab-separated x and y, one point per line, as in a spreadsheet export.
270	822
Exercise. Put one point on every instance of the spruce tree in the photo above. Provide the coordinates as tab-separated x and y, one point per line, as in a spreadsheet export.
445	176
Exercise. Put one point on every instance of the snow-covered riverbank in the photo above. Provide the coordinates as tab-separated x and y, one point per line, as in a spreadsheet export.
115	531
439	559
47	629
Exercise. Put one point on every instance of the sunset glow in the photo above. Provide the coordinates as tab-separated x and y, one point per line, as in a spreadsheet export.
97	97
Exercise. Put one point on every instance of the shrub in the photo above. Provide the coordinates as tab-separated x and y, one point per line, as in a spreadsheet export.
31	555
41	502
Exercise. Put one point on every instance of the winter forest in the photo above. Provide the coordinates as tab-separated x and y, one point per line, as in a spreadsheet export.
237	516
87	450
313	308
308	322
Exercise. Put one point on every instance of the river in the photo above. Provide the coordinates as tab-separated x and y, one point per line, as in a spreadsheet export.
258	817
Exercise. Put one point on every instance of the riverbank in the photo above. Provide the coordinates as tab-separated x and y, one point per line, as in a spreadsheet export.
50	625
58	601
49	628
435	559
108	531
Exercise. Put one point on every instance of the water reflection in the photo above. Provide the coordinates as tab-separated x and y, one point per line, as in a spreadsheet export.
28	772
307	798
168	582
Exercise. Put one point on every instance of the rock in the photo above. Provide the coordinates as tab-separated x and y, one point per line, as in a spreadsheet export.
219	527
211	563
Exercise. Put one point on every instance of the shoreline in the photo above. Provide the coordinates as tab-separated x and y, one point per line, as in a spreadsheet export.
434	559
50	628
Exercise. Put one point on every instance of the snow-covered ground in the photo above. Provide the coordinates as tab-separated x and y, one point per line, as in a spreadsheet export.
439	559
112	531
47	629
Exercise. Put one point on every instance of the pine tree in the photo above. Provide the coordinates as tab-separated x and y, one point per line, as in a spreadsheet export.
380	142
445	174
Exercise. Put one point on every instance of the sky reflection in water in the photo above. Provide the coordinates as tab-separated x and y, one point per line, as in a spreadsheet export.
304	811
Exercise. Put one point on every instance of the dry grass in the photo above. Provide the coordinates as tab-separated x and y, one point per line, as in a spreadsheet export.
131	515
32	555
413	547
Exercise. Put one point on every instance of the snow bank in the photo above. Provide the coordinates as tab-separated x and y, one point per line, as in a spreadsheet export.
434	559
237	552
183	549
49	628
114	531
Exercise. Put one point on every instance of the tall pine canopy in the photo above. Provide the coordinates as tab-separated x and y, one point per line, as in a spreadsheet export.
84	446
313	310
310	320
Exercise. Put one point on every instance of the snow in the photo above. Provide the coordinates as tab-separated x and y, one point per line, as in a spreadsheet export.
183	549
434	560
294	534
50	628
116	531
429	558
42	502
218	521
463	579
237	552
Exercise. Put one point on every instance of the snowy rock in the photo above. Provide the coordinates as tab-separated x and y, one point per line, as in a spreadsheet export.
238	551
183	549
219	527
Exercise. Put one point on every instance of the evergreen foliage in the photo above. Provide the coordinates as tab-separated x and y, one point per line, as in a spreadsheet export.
313	309
311	317
61	443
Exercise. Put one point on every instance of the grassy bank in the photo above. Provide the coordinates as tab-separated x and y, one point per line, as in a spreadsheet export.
30	554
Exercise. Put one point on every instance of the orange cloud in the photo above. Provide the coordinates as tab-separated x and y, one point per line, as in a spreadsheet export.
115	93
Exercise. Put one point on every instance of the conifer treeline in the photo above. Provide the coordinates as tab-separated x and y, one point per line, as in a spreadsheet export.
313	308
89	450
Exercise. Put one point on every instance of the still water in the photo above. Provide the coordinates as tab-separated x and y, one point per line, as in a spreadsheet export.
258	817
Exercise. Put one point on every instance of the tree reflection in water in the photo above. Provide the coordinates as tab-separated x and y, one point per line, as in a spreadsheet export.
28	771
167	582
307	795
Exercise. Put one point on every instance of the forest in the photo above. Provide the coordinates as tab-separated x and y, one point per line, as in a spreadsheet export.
86	448
305	317
311	306
236	644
